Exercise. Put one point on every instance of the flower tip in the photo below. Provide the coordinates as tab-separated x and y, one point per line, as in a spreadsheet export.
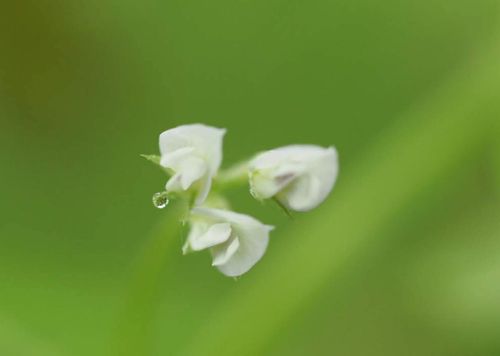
333	150
221	130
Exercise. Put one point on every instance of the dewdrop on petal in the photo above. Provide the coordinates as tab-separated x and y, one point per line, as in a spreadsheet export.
160	200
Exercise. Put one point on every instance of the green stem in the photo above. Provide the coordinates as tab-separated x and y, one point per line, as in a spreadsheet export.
496	158
133	335
234	176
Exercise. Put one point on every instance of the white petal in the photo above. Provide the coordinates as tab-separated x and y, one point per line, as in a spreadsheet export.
188	171
312	189
206	141
222	253
221	215
266	183
216	234
174	183
173	140
174	159
303	194
197	229
204	190
253	237
301	176
192	169
252	246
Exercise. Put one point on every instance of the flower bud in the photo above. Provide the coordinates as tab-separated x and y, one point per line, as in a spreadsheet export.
299	176
193	153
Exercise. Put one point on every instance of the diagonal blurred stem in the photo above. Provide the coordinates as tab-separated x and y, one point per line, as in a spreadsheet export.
496	157
135	328
433	140
16	340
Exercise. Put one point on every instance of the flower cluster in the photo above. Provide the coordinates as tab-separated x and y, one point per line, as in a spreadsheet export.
297	177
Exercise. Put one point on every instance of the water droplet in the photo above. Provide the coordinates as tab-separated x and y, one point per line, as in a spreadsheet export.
160	200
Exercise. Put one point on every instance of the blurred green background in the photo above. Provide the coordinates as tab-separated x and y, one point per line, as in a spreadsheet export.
404	257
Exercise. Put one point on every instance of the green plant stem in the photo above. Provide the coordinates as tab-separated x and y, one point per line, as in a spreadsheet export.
496	158
134	332
234	176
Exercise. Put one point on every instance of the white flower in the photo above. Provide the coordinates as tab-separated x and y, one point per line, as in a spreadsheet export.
299	176
194	154
236	241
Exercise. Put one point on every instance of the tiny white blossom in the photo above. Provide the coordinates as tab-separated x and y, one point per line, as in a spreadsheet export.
194	154
299	176
236	241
